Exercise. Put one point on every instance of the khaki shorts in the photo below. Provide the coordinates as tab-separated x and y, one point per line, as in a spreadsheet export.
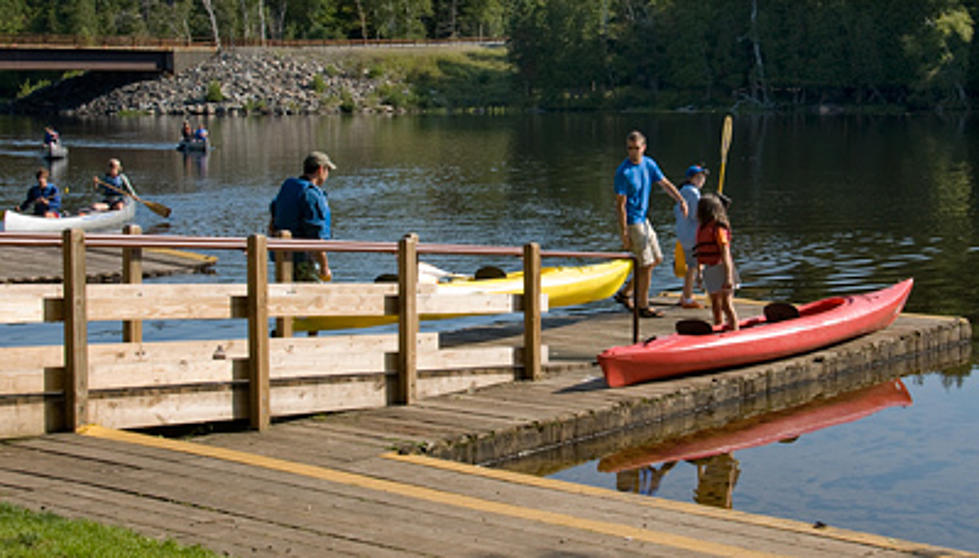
645	245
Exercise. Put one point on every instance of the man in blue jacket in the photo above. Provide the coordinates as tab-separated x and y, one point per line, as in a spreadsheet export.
44	196
301	208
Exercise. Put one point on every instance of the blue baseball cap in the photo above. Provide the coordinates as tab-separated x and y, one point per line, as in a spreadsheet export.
694	170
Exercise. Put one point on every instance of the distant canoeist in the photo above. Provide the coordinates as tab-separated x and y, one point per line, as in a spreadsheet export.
114	197
51	137
186	133
44	196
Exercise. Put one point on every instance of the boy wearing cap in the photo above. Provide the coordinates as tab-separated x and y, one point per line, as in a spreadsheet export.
301	208
634	179
686	230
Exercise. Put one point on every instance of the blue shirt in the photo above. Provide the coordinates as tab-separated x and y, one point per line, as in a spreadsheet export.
40	208
686	227
119	181
635	183
301	208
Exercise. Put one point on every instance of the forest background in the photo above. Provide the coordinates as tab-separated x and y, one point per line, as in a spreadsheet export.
604	54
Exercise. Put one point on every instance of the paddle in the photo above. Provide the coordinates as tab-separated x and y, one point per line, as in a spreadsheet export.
155	207
726	132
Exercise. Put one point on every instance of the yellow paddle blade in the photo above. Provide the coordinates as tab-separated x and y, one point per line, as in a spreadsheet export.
727	130
679	261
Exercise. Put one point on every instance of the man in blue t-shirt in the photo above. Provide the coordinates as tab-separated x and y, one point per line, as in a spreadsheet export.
633	185
301	208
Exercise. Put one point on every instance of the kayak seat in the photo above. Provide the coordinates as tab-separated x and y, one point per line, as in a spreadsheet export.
780	311
489	272
694	327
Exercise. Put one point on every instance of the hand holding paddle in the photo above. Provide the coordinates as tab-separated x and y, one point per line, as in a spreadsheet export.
155	207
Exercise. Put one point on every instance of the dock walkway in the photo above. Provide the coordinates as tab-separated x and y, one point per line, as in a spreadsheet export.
40	264
369	483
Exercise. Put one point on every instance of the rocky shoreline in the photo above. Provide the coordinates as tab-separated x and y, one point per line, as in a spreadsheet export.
229	83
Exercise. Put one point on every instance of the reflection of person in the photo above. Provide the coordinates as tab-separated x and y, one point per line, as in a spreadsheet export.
200	134
633	186
50	136
301	208
713	251
112	198
716	477
644	480
686	230
44	196
185	132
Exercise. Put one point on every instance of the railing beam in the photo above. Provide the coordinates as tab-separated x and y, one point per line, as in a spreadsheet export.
132	273
75	329
258	332
407	320
532	312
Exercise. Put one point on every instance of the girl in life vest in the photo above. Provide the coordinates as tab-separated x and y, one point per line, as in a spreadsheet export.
713	250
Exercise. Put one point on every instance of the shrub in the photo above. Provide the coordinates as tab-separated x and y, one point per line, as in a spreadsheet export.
214	94
319	84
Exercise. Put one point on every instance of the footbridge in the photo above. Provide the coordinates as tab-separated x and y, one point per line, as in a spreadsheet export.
60	53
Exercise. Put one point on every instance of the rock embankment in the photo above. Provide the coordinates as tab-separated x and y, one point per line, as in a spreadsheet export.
230	83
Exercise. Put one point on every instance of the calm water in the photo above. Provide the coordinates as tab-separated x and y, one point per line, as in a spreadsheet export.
821	206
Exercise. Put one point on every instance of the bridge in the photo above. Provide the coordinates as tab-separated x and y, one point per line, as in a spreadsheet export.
115	54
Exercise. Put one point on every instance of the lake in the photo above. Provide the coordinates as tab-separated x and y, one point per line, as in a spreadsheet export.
822	205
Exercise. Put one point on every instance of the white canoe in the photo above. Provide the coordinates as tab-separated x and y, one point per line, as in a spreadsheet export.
21	222
54	151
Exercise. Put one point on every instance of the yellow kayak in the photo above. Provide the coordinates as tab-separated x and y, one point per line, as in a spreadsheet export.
564	286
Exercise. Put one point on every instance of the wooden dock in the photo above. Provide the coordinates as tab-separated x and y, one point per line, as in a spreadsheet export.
369	482
42	264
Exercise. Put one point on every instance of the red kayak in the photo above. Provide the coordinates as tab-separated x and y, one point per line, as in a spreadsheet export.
766	429
819	324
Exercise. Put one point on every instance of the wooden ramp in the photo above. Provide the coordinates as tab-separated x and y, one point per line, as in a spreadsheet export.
21	264
306	490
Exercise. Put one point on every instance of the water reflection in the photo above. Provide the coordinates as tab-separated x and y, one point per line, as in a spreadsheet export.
712	451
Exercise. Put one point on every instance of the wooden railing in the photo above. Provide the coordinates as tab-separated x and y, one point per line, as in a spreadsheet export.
134	41
140	384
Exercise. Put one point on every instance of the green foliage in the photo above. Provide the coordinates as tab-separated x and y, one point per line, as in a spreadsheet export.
37	535
26	88
347	102
319	84
213	93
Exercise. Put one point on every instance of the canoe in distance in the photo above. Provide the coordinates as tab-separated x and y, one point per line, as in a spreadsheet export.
21	222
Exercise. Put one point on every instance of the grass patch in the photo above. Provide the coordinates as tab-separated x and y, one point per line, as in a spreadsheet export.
214	93
437	78
26	534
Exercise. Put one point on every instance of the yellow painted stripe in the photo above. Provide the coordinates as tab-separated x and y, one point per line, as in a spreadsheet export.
426	494
203	258
671	505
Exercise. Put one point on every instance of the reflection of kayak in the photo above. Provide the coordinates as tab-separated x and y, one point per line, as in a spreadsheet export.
564	286
54	151
192	145
766	429
14	221
820	323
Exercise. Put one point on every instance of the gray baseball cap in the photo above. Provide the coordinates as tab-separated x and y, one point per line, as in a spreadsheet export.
317	159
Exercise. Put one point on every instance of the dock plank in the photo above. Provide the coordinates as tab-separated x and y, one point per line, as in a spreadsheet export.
22	264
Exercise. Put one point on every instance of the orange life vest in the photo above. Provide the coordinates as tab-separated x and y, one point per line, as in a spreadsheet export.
707	250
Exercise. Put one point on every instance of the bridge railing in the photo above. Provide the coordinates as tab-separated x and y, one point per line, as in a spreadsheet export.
142	384
110	41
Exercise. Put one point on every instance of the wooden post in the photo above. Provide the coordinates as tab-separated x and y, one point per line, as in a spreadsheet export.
132	273
407	319
76	329
258	332
531	312
283	274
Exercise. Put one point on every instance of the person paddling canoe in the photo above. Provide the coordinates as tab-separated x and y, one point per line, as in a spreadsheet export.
113	186
44	196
